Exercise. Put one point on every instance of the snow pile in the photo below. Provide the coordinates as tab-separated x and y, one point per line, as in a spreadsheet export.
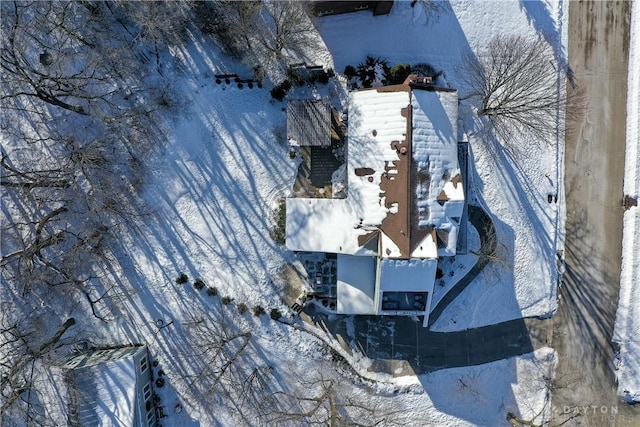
627	326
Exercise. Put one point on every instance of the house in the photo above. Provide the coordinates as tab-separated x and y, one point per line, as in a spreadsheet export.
110	387
323	8
404	203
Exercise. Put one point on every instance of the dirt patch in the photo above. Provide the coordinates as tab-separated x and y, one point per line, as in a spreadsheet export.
292	279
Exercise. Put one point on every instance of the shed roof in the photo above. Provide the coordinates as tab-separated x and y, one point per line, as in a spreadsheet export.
309	122
104	384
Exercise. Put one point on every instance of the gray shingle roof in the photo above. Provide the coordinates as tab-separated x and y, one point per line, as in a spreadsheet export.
309	122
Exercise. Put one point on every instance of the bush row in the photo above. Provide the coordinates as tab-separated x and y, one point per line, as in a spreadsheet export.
242	308
296	77
376	71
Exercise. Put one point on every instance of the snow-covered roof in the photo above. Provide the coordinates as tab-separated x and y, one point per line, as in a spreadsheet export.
105	384
413	275
324	225
356	285
334	225
440	198
376	122
403	179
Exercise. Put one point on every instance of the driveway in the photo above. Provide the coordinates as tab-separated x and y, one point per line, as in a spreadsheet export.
399	345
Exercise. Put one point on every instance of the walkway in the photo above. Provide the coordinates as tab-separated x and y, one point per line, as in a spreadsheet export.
483	224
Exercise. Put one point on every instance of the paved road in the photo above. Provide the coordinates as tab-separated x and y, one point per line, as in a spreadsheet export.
583	325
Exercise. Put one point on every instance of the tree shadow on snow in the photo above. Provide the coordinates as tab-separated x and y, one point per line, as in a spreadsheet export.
539	15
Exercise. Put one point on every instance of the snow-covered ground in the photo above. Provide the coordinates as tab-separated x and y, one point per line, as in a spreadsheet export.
483	395
214	189
627	326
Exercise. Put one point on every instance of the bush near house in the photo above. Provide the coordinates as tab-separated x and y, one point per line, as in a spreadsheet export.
275	314
349	71
323	77
426	70
373	71
242	308
198	284
278	232
280	91
398	74
295	76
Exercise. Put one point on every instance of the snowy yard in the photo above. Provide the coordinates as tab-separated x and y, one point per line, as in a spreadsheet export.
226	159
215	186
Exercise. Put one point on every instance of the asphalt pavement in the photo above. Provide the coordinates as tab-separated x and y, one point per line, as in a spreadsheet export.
581	332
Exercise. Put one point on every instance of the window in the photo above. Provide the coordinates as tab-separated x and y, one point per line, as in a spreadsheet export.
143	364
147	391
151	418
151	412
405	301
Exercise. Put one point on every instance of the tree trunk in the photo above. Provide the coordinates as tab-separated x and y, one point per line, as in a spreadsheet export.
57	336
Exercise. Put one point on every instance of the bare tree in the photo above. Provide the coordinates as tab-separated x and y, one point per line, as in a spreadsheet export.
517	86
217	348
231	22
286	26
326	398
260	32
157	24
55	52
64	200
76	123
26	368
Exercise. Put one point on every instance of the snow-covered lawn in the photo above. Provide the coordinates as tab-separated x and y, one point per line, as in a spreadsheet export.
627	326
483	395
